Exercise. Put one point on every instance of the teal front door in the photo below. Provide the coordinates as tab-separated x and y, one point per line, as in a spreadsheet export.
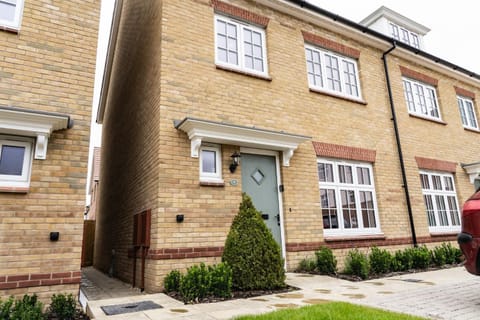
259	181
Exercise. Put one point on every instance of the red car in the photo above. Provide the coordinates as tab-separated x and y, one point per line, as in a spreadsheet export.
469	238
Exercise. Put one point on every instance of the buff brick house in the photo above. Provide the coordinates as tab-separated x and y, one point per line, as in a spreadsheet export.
349	135
47	67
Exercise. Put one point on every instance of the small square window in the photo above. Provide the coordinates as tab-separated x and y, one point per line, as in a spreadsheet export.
15	162
11	13
467	113
210	163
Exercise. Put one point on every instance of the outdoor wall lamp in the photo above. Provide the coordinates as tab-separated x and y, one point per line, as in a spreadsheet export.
235	161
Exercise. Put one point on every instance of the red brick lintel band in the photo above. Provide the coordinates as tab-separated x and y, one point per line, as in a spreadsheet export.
343	152
39	279
331	45
204	252
409	73
434	164
239	13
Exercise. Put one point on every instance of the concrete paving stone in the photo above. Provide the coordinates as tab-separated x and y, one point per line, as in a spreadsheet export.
448	294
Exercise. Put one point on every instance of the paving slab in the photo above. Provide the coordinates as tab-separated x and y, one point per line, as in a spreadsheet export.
447	294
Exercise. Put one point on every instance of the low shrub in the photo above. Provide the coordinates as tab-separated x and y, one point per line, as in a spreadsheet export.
421	257
439	256
307	265
6	308
453	255
403	260
171	283
63	307
195	284
357	264
380	261
221	280
200	282
27	308
326	262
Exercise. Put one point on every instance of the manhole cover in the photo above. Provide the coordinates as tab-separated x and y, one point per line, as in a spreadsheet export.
130	307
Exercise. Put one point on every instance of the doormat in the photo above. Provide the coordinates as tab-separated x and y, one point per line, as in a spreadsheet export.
130	307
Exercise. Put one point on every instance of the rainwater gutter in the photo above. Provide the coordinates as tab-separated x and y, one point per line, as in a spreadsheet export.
399	146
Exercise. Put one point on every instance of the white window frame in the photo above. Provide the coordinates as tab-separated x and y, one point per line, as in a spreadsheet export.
435	226
404	35
241	26
467	112
419	101
15	23
23	181
209	176
337	186
321	72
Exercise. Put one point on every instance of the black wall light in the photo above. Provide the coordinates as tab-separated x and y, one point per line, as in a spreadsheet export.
180	218
235	161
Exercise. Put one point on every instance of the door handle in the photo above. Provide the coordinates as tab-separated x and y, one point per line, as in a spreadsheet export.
278	218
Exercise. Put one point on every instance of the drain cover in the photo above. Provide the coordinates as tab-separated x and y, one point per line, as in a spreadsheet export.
412	280
130	307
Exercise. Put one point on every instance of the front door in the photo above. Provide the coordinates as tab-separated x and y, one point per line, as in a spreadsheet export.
259	181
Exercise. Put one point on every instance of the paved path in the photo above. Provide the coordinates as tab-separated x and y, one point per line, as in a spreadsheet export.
449	294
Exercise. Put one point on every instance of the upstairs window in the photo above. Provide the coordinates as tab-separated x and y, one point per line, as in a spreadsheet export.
11	13
440	200
347	197
333	73
404	35
15	162
421	99
240	46
467	113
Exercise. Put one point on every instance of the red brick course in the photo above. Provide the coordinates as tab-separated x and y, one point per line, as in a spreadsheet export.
464	92
331	45
184	253
239	13
343	152
409	73
434	164
39	279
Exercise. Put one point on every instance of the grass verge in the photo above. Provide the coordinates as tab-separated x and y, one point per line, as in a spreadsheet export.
332	310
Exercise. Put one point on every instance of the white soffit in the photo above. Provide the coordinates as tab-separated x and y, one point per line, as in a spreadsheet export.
223	133
29	123
473	171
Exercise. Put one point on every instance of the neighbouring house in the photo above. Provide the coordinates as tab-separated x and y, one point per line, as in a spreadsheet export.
47	65
348	135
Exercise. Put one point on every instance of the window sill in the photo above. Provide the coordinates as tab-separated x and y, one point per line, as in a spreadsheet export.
377	236
219	183
8	29
246	73
328	93
14	189
471	130
444	233
428	119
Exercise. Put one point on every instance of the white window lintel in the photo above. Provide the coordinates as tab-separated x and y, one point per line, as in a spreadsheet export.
29	123
251	137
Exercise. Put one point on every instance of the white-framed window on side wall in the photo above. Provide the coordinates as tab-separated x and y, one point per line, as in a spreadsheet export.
210	163
347	198
421	99
15	162
441	202
467	113
11	13
332	73
240	46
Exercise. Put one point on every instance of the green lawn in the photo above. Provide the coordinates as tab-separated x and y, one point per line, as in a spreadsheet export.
332	311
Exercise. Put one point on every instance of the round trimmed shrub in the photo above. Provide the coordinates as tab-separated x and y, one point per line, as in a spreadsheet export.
326	262
251	251
357	264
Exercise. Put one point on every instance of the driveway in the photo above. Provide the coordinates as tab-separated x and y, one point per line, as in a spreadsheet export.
444	294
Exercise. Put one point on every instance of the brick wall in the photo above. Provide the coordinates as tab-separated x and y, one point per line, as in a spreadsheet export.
49	66
190	85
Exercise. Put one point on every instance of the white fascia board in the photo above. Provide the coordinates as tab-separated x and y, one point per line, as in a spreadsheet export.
29	123
221	133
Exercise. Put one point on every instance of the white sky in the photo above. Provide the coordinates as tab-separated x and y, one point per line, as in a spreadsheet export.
453	24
